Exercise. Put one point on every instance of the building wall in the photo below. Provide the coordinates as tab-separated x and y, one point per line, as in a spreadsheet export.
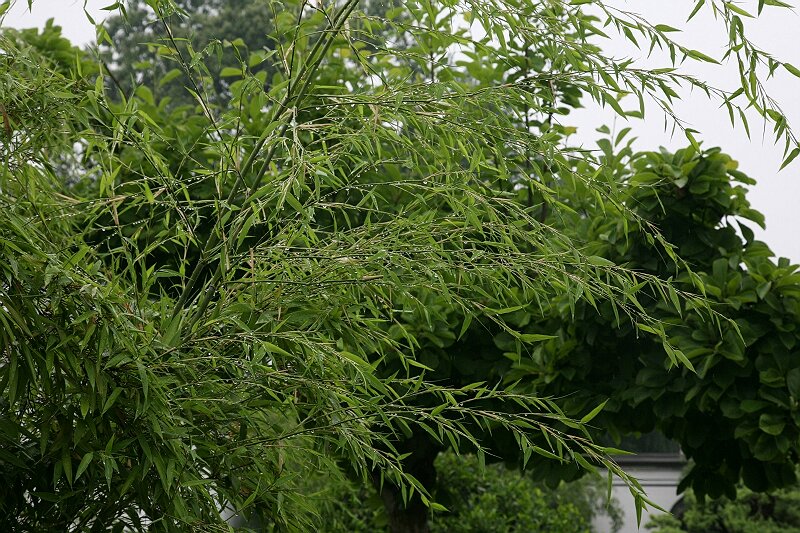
659	480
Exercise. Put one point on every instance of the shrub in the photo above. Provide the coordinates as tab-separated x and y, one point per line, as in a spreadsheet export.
750	512
494	499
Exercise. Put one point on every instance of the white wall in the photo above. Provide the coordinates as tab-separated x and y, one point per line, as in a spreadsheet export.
660	484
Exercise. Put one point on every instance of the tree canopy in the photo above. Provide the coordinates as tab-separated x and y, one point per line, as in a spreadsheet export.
369	232
731	409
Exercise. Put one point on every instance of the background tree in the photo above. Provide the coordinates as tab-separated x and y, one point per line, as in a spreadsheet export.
134	53
477	498
734	416
772	512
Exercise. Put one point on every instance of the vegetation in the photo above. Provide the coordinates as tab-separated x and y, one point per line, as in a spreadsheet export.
735	414
494	498
348	251
133	63
750	512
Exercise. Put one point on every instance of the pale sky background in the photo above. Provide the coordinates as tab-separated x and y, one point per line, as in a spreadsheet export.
776	31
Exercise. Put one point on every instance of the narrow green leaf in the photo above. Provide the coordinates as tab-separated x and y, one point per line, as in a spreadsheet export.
66	465
691	138
535	337
792	69
84	464
791	157
111	399
596	260
738	10
228	72
697	7
697	54
610	100
465	325
593	413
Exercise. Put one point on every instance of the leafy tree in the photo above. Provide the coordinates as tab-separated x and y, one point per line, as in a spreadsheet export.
731	409
283	262
499	499
457	350
136	52
149	394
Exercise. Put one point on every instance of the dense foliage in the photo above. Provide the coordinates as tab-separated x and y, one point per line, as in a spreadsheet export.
750	512
499	499
324	263
735	416
494	498
134	54
171	352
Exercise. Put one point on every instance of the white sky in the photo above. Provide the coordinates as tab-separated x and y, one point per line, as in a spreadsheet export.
776	31
67	13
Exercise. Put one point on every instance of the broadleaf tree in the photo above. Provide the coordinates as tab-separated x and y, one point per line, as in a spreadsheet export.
735	416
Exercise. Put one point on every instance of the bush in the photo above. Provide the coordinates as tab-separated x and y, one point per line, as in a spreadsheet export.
497	499
750	512
503	500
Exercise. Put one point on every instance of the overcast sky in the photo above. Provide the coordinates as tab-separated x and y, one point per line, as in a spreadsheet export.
776	31
776	194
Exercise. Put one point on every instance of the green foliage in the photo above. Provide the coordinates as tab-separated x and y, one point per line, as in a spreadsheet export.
297	268
750	512
497	499
476	498
734	416
62	56
138	53
146	392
